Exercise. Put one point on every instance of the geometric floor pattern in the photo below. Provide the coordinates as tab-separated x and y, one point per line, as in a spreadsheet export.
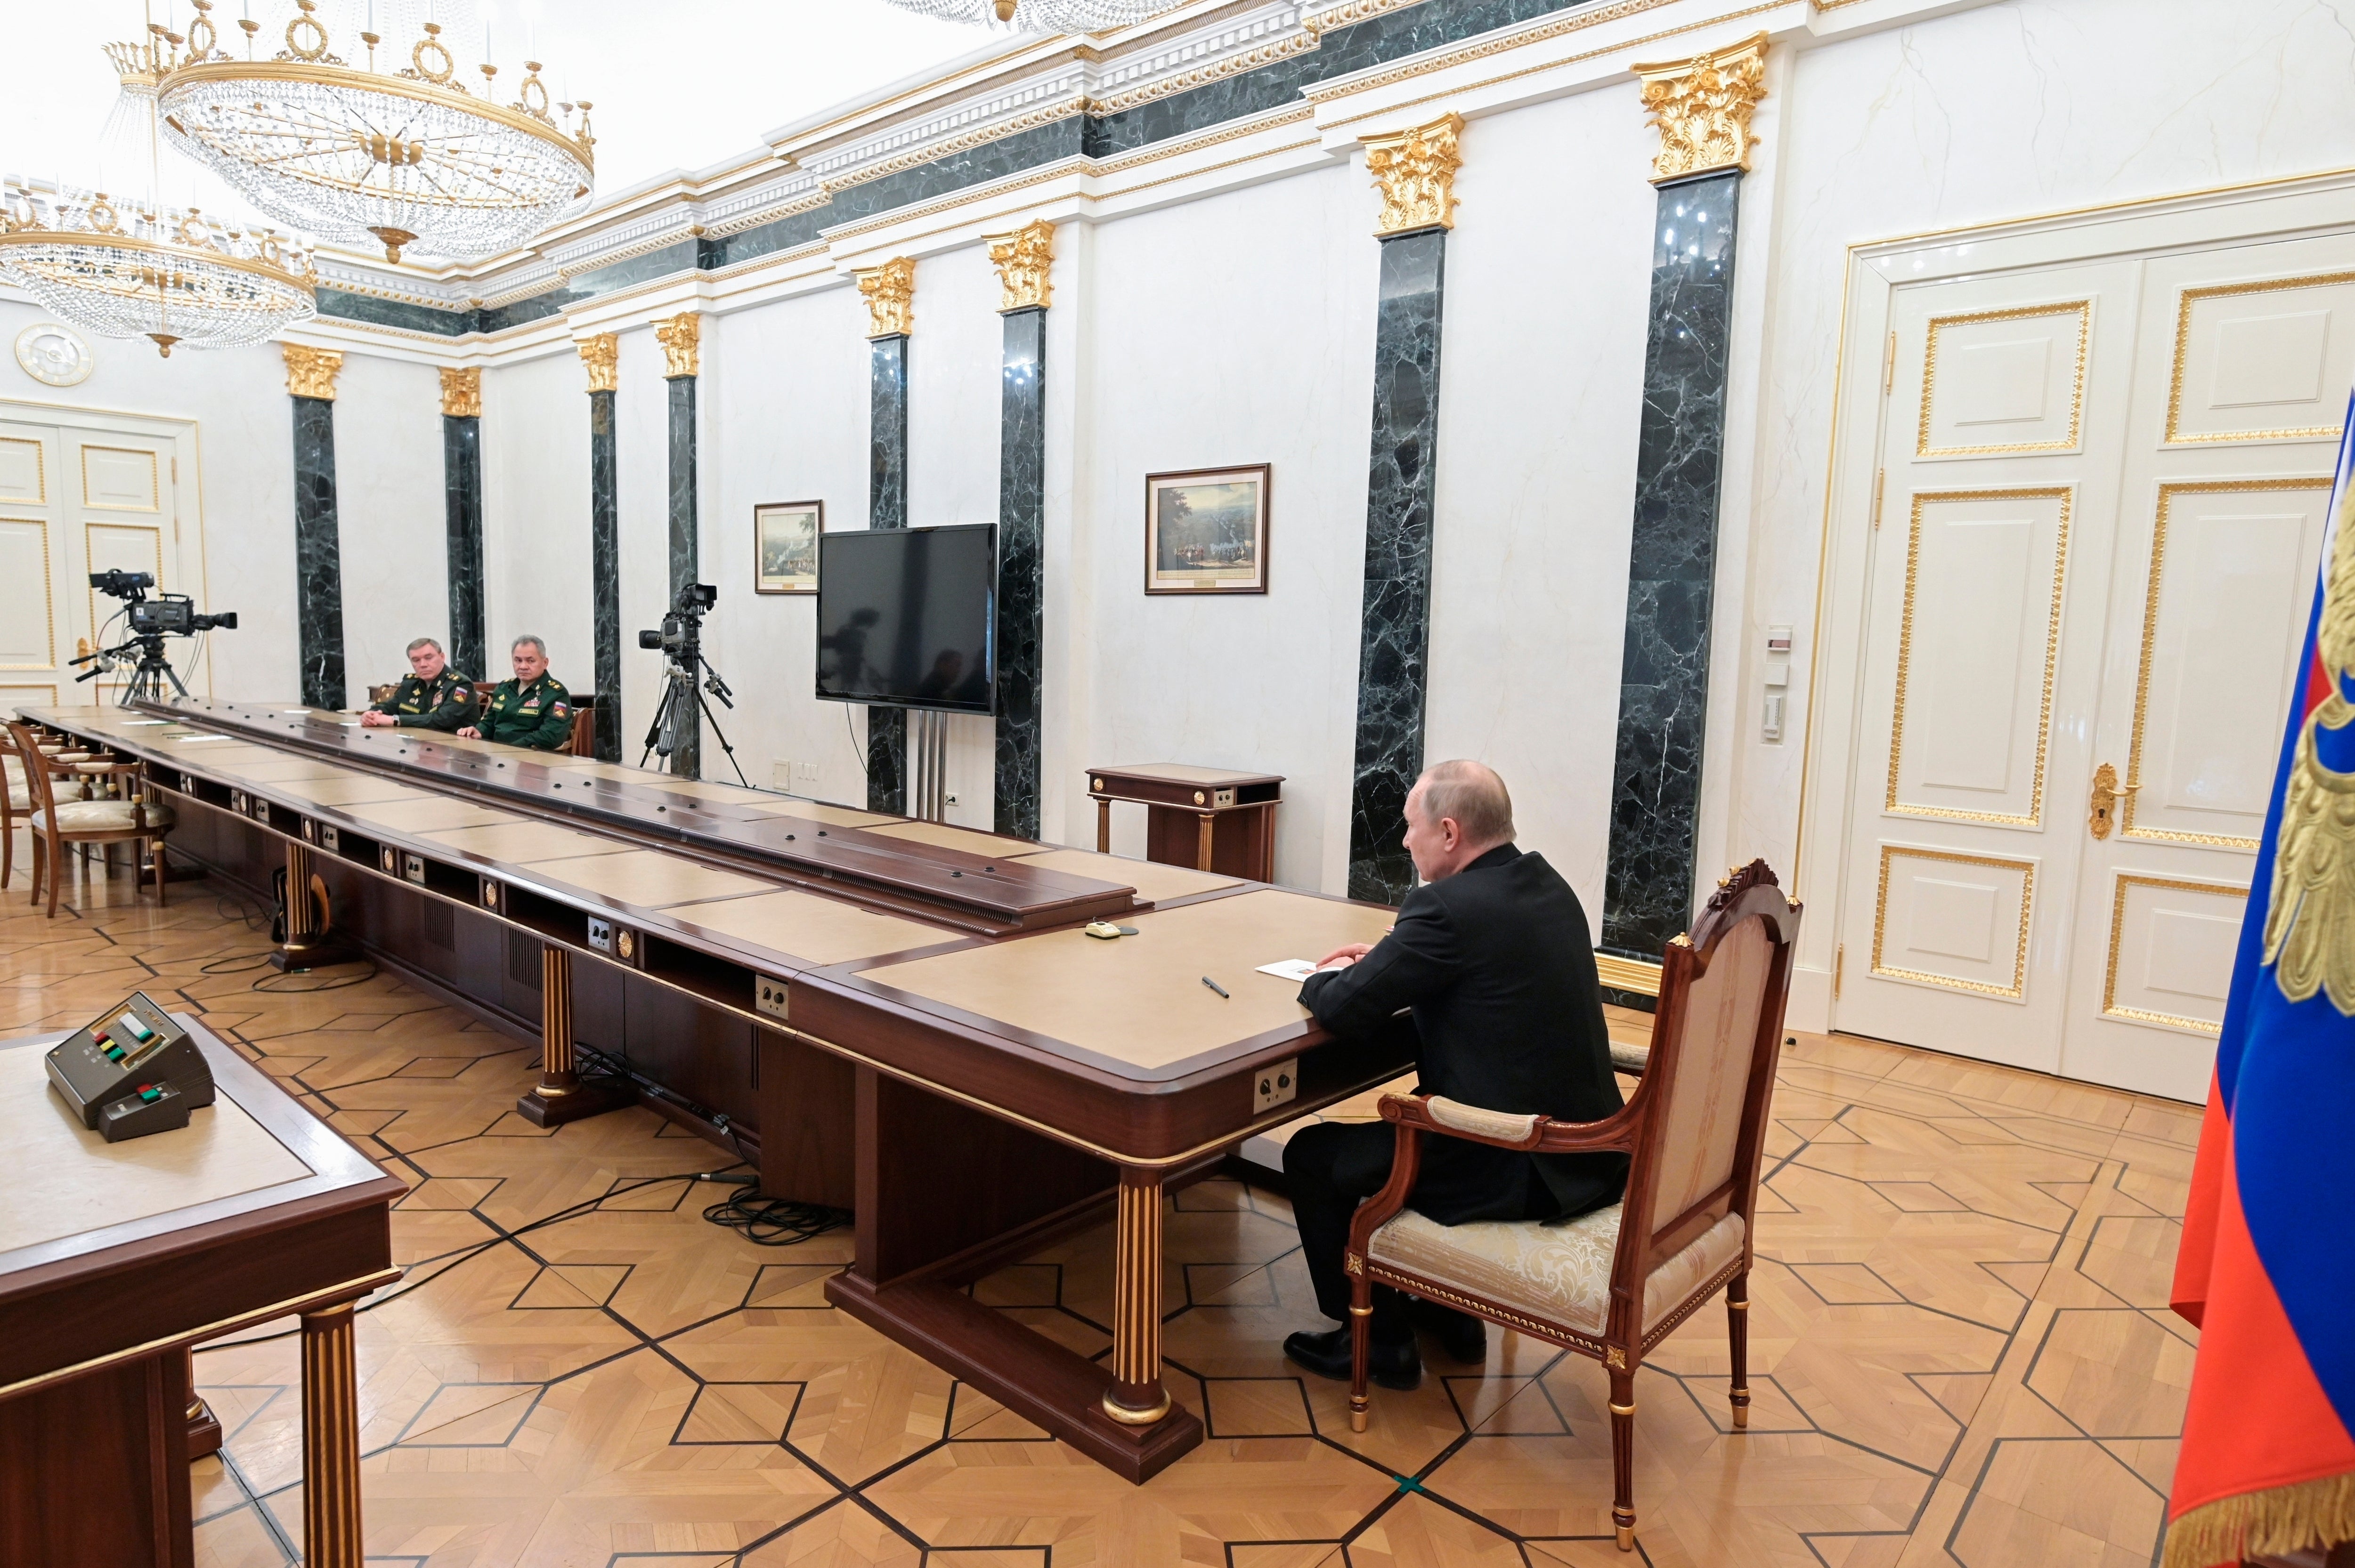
1960	1349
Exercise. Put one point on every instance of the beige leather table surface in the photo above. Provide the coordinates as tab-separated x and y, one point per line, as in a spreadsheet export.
351	789
278	772
819	931
942	835
1139	1003
62	1180
647	878
816	811
518	841
1176	772
1152	881
424	816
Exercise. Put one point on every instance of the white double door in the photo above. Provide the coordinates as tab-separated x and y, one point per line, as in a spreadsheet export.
2102	500
78	498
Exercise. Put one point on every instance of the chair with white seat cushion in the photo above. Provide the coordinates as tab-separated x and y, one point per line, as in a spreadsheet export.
17	802
59	820
1612	1284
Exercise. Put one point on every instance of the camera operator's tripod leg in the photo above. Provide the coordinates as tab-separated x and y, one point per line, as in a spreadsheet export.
559	1095
722	737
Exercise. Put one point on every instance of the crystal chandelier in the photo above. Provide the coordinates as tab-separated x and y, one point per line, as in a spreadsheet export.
137	265
1043	15
403	154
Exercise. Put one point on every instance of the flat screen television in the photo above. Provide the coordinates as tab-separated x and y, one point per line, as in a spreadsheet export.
908	617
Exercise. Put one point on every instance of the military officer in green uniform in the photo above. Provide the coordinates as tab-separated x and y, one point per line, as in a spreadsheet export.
532	710
434	698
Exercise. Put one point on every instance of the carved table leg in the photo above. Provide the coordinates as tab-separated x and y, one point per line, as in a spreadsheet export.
204	1426
331	1441
1136	1397
1103	825
1202	841
306	947
559	1095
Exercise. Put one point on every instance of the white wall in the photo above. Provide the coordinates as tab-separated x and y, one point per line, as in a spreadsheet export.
392	525
536	514
1548	278
1234	330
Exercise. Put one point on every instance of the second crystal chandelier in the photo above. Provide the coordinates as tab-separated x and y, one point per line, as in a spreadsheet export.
396	149
1043	15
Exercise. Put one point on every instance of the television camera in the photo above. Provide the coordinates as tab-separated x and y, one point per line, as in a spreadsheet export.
679	639
151	620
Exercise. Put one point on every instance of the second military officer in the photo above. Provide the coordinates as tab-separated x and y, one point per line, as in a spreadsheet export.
534	709
434	698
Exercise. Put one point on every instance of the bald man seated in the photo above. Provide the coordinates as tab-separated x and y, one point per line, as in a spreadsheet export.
1492	968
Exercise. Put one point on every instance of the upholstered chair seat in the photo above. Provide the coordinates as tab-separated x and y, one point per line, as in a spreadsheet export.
104	816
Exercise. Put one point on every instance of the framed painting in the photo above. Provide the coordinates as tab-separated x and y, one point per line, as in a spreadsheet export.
785	546
1206	530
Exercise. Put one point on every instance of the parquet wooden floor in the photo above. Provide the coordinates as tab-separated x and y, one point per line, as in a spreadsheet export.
1960	1347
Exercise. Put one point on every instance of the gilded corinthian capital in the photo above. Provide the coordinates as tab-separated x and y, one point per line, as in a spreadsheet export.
891	294
1702	107
602	356
461	392
1416	171
311	372
1022	259
681	337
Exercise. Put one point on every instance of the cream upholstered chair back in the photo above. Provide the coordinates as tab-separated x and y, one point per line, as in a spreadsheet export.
1715	1042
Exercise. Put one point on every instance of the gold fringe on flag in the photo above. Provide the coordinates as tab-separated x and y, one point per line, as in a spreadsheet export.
2302	1516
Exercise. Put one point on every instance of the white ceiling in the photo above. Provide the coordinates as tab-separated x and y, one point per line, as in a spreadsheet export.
677	84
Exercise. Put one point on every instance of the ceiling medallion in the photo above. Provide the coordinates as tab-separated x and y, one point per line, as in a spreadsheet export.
396	151
1043	15
55	354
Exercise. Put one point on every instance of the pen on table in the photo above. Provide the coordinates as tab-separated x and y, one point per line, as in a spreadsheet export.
1214	985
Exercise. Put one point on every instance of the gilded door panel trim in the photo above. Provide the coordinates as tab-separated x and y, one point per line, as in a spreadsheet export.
2034	815
41	472
2110	1008
6	686
2018	989
2167	494
155	477
2084	312
2174	437
48	593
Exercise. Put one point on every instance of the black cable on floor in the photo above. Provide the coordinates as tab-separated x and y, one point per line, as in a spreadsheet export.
340	982
775	1221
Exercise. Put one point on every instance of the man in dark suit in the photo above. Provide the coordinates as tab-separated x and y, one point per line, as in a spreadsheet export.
1492	961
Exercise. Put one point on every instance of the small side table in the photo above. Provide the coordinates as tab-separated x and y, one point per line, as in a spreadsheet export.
1207	818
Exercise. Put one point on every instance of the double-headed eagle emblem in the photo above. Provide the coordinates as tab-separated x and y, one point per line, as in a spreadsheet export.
2310	924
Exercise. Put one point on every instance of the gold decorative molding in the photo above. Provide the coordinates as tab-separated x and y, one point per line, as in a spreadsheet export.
891	294
681	337
311	372
2191	297
2110	1008
1415	170
2018	989
1022	259
602	356
461	392
1702	108
2082	309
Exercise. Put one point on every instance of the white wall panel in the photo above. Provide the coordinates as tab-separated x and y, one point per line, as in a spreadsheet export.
1549	273
393	530
536	514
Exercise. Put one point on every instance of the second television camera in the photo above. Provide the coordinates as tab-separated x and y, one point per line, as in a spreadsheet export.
679	638
681	633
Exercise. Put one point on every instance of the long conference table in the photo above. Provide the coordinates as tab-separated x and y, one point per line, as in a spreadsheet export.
899	1017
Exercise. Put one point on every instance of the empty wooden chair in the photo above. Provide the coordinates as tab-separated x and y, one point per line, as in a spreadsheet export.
60	819
1612	1284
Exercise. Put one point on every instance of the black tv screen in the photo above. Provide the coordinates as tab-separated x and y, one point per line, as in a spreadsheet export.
908	617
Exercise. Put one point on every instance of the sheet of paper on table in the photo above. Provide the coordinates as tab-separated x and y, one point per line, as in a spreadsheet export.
1293	969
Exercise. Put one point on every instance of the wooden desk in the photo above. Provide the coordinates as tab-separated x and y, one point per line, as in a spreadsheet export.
890	1016
1208	818
116	1258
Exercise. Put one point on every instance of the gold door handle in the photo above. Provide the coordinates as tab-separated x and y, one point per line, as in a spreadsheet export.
81	647
2102	810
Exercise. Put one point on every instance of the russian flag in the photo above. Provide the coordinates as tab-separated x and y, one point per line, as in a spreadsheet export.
2267	1265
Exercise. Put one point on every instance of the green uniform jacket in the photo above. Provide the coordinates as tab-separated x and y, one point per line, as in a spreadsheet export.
539	715
445	702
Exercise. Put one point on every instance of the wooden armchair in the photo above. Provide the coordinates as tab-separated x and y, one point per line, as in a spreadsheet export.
1612	1284
60	818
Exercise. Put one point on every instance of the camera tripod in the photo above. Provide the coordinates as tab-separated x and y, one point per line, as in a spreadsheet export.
679	690
149	678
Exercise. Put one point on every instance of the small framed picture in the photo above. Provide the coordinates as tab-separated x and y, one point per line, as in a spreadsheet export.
785	546
1206	530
